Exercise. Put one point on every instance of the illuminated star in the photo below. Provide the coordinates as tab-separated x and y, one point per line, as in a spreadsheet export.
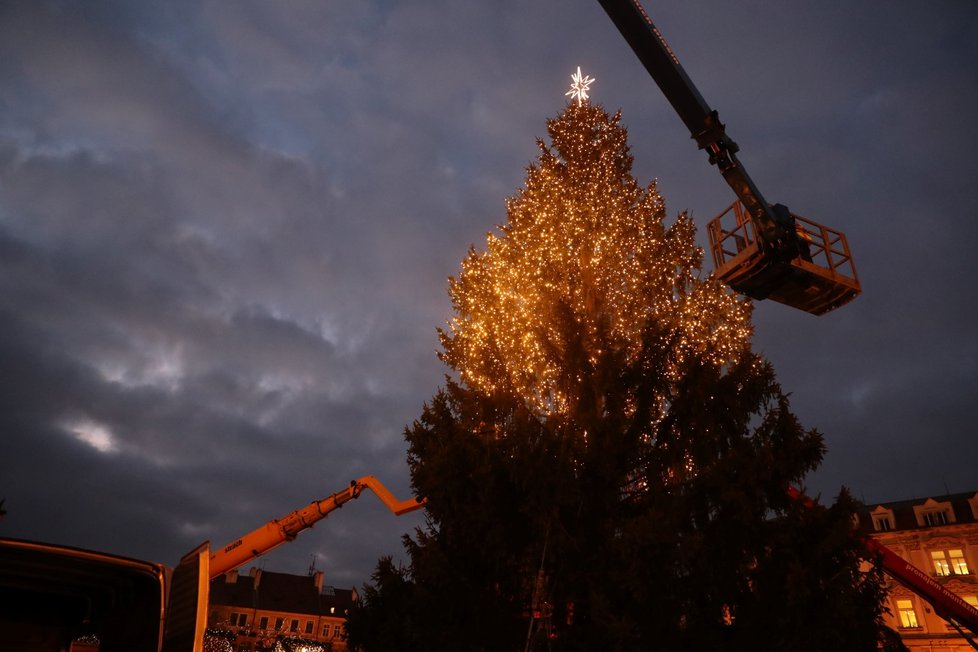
578	89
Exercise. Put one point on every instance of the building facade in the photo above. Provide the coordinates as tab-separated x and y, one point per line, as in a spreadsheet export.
263	609
940	537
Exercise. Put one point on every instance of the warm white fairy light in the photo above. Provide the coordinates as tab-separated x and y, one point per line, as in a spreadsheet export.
579	87
583	241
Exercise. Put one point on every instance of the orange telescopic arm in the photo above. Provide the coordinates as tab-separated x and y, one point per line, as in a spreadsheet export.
278	531
399	507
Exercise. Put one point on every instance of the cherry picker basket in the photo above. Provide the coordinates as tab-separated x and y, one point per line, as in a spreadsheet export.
821	278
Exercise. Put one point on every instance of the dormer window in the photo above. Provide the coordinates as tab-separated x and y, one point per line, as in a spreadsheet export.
934	514
935	518
883	519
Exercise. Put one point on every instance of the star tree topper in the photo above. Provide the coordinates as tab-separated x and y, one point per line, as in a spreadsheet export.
579	87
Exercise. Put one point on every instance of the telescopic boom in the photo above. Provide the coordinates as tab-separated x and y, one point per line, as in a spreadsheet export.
801	264
278	531
947	604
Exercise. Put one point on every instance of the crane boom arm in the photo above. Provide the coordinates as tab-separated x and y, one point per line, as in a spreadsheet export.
278	531
774	223
664	67
947	604
399	507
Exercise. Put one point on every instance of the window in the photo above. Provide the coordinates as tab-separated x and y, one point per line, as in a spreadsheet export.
935	518
279	622
263	623
958	564
883	519
294	627
932	513
238	619
972	600
308	627
908	617
325	631
949	562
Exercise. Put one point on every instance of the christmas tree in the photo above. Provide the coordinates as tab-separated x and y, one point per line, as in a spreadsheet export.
607	469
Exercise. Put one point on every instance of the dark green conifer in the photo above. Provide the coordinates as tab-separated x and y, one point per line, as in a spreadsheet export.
608	467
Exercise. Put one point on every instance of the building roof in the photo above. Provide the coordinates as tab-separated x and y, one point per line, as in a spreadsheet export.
964	507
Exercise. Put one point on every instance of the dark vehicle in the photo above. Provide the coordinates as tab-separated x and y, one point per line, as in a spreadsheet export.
61	599
57	598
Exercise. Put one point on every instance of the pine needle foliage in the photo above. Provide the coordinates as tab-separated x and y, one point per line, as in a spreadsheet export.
607	466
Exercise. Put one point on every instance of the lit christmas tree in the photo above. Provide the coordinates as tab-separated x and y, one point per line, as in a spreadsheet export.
585	239
608	470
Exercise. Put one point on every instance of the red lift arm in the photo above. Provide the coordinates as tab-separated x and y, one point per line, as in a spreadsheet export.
774	258
279	531
946	604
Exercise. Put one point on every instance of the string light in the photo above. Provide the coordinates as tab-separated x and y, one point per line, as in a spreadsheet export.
584	242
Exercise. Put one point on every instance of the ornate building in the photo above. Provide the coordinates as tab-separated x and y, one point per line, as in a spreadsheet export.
940	537
263	608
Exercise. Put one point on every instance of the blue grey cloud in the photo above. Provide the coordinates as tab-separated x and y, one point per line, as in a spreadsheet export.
226	229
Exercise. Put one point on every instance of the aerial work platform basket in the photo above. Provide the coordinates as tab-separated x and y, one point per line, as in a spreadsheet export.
820	278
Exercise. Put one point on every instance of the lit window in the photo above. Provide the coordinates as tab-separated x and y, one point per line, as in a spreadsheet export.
972	600
948	562
908	617
882	523
935	518
958	564
941	567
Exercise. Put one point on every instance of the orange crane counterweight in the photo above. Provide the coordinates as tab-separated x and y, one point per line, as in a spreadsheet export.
278	531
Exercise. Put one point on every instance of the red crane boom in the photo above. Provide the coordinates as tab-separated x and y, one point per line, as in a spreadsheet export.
947	604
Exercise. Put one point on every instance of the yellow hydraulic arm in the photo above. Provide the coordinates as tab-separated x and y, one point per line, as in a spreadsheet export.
279	531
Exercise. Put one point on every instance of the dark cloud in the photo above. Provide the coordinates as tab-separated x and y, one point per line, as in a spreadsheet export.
226	229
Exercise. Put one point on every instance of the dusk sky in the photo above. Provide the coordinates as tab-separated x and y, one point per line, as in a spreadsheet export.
226	230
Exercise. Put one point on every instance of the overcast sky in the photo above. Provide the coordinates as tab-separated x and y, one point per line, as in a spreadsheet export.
226	230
